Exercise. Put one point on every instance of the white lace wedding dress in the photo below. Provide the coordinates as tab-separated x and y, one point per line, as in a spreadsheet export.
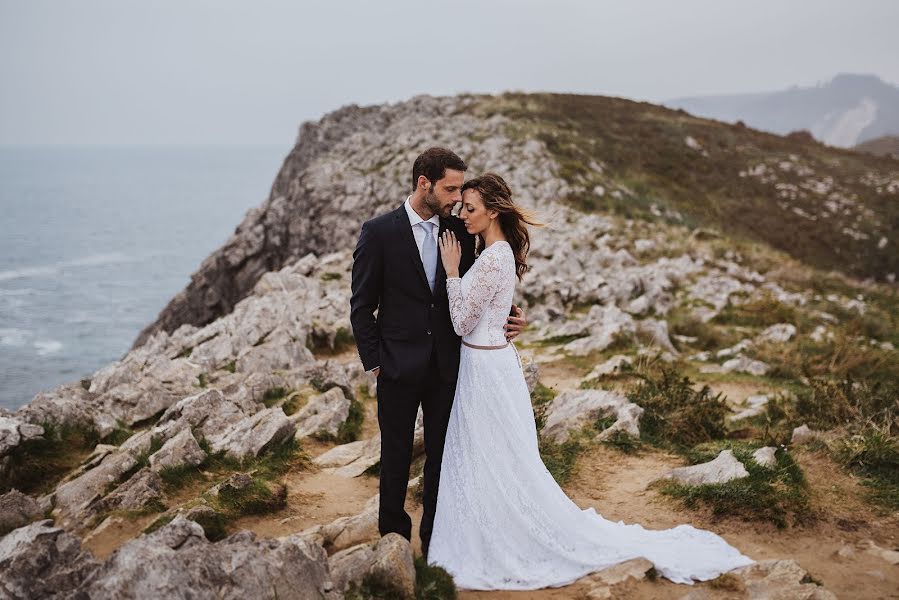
502	522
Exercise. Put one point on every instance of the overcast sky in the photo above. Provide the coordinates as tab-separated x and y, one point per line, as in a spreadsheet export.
227	72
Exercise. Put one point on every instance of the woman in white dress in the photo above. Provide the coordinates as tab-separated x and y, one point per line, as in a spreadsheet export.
502	522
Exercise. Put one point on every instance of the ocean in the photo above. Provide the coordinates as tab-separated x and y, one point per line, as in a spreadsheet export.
94	241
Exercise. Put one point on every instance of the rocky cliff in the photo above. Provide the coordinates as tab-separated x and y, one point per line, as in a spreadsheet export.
830	208
671	356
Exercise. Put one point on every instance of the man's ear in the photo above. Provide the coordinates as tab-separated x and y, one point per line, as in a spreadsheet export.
423	182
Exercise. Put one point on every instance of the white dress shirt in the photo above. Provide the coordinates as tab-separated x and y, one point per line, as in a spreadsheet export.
418	230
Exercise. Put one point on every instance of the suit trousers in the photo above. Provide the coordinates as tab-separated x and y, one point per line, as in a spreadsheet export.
397	410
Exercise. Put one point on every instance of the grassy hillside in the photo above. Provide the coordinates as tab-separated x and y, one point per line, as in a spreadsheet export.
832	208
887	145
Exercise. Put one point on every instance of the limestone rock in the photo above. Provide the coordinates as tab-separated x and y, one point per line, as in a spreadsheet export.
613	366
325	412
606	324
656	331
803	435
743	364
177	561
778	333
182	449
353	459
17	509
780	579
531	370
388	563
765	456
891	556
43	561
349	531
572	410
755	405
141	490
725	467
600	585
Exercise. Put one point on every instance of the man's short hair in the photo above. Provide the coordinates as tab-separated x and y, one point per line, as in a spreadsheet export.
433	163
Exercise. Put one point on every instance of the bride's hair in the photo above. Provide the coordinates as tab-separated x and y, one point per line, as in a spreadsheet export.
513	219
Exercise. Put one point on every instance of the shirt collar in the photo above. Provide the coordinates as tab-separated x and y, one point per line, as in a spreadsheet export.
414	219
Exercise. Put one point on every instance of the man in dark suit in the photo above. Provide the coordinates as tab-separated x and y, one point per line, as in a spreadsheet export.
410	345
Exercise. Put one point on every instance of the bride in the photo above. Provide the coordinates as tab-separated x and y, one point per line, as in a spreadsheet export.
502	522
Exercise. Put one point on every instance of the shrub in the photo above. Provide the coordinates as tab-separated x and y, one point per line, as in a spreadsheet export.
432	582
674	413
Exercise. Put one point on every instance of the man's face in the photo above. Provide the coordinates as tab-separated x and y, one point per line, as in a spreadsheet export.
444	193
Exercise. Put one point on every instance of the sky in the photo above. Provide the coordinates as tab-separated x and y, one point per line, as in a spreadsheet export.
184	72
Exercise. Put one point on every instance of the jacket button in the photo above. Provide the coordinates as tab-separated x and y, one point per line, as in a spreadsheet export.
432	305
429	332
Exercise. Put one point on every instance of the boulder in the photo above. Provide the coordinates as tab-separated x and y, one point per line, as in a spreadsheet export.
765	456
388	564
17	509
43	561
779	578
349	531
182	449
725	467
778	333
611	367
323	413
754	405
141	490
177	561
573	409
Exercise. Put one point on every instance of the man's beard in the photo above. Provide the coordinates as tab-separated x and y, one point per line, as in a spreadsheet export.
433	204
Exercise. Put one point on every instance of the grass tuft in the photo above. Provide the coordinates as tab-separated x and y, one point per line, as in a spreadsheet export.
779	495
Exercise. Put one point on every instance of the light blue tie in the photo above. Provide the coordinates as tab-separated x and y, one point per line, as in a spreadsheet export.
429	254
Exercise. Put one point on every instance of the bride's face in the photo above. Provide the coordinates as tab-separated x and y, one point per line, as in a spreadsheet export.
474	214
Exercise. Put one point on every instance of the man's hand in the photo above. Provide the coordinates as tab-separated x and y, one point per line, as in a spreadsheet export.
516	323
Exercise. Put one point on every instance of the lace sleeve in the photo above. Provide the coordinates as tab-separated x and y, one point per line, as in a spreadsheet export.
466	311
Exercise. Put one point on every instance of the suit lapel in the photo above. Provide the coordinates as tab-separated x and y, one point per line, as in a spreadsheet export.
440	277
404	229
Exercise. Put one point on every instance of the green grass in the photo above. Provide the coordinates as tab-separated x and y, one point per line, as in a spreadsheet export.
260	497
432	583
37	466
324	345
641	148
758	312
779	495
873	454
675	415
118	435
560	458
274	395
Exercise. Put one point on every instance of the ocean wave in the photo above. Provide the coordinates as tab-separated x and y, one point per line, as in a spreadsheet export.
12	336
91	260
45	347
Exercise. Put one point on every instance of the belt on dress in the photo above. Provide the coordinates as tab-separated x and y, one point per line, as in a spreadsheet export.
495	348
486	347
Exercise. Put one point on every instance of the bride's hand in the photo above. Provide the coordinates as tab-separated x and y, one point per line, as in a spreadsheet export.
450	253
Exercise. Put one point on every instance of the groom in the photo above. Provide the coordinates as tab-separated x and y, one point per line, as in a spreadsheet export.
410	345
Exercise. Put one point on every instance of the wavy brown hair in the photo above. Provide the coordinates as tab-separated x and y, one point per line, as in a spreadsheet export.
513	220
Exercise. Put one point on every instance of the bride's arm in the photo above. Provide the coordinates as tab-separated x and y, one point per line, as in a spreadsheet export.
466	311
